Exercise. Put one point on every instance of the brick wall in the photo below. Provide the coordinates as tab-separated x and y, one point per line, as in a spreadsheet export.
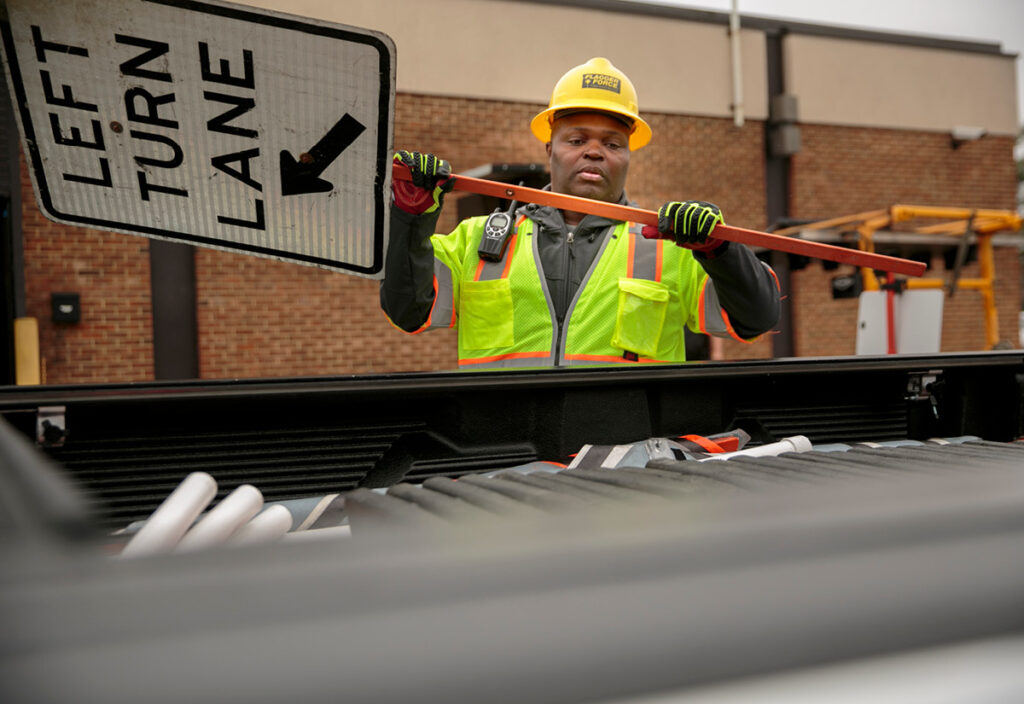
843	170
263	318
114	340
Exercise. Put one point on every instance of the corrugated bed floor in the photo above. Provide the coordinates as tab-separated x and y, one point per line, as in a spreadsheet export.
553	490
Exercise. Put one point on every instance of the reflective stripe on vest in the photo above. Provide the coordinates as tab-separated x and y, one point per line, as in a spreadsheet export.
442	312
512	360
713	318
644	255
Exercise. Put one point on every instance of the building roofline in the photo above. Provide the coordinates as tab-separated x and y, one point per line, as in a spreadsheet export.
773	25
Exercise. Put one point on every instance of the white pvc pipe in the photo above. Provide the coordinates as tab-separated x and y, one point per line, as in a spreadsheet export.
796	443
172	518
268	526
229	515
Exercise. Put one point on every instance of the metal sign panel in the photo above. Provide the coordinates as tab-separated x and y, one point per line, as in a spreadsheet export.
207	123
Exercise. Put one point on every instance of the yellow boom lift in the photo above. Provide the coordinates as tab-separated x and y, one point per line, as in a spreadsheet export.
956	222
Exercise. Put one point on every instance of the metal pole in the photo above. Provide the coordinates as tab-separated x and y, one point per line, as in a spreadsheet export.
737	72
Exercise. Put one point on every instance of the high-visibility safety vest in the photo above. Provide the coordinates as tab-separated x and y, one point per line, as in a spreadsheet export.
631	308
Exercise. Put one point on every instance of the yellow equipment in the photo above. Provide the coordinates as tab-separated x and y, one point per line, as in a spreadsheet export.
26	352
960	222
599	86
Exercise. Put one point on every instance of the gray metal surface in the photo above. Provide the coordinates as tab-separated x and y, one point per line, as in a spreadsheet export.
647	596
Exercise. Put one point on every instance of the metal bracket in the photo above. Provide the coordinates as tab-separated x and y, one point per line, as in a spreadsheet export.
923	386
51	426
961	256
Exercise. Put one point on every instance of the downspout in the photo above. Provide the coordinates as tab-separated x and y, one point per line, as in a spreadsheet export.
776	177
737	72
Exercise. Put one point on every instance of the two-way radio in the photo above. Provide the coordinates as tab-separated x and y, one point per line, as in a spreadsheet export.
497	231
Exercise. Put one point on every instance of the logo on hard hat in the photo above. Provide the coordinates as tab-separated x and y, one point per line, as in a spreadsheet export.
600	80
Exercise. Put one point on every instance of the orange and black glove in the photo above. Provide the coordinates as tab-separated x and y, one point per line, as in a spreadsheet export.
689	224
431	179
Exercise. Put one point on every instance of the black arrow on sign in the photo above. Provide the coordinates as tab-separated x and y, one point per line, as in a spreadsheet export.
302	175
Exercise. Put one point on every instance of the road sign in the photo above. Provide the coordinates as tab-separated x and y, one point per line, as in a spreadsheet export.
207	123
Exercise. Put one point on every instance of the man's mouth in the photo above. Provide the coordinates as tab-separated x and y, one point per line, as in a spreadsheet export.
590	174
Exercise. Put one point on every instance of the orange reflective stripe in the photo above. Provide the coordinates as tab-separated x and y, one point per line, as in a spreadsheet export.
658	259
717	315
509	253
732	333
619	359
510	355
727	324
700	307
430	316
490	270
632	254
428	323
596	358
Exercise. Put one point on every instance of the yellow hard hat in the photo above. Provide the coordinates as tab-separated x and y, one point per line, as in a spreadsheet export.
598	86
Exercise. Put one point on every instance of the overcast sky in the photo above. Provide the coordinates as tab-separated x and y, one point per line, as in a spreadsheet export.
998	21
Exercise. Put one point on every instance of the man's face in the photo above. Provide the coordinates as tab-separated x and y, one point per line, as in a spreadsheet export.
589	156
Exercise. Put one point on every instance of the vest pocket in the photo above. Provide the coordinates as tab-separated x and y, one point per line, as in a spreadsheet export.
485	315
641	316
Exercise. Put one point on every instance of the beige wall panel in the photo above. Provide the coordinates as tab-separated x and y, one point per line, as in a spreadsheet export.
848	82
498	49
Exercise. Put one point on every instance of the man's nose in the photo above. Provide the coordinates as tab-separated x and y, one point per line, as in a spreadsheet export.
593	150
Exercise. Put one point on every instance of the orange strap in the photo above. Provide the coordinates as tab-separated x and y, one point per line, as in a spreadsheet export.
707	444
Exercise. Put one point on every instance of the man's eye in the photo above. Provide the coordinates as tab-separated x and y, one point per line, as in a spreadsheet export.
613	145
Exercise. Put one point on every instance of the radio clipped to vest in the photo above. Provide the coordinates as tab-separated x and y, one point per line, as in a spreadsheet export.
497	231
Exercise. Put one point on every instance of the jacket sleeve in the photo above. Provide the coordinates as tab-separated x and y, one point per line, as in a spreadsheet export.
407	290
747	289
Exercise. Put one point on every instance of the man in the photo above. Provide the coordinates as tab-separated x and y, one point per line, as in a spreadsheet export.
572	289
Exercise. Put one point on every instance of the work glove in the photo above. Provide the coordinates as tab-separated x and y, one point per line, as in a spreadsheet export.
689	224
431	179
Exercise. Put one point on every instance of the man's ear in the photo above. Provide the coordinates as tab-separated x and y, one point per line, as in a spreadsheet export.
547	149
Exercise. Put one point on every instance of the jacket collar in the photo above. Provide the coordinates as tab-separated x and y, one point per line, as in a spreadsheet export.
550	218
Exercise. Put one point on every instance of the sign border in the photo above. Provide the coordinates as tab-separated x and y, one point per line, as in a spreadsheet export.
277	20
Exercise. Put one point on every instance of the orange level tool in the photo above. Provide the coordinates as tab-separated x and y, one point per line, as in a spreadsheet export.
614	211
